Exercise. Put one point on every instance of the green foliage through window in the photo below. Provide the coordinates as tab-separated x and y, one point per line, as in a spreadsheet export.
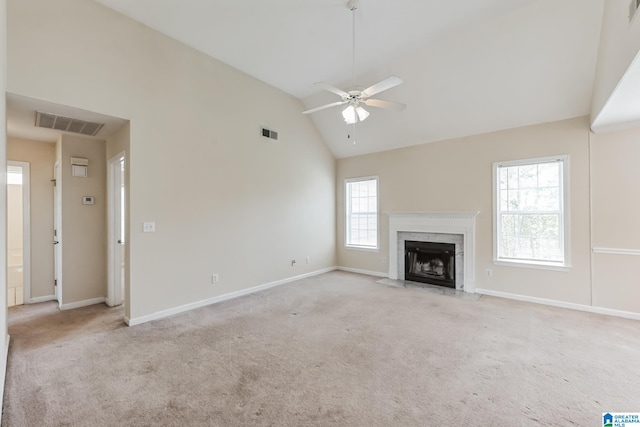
530	211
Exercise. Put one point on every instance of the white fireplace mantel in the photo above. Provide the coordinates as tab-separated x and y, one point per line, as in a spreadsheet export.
463	223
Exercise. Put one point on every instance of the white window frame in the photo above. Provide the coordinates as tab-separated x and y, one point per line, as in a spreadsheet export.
565	226
347	210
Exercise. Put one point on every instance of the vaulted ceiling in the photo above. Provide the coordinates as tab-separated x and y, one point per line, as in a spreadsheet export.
469	66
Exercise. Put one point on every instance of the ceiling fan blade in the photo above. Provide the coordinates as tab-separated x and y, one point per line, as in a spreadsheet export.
388	83
379	103
333	104
333	89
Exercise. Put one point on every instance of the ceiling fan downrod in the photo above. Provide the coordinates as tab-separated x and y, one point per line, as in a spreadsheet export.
353	6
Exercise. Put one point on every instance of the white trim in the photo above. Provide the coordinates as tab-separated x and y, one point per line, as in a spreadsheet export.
561	304
191	306
84	303
535	265
565	199
3	371
361	248
37	300
57	226
367	272
114	296
347	210
26	228
616	251
463	222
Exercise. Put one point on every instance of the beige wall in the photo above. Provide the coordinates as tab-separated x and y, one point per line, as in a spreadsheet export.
41	157
616	209
119	141
225	200
84	227
456	175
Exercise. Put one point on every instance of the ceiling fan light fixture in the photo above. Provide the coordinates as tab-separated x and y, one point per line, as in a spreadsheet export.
355	96
349	115
362	113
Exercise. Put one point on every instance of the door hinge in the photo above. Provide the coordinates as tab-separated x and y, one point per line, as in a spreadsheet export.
54	182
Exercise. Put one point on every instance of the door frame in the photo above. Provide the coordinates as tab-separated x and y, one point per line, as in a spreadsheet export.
57	236
26	227
115	180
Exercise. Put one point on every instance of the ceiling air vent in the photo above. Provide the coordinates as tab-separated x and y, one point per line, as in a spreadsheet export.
67	124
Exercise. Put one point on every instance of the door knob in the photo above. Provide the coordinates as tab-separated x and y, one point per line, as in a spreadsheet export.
120	242
55	242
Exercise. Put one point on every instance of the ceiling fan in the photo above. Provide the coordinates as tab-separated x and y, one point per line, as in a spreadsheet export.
356	96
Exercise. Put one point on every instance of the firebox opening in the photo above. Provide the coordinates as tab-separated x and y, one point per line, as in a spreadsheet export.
430	262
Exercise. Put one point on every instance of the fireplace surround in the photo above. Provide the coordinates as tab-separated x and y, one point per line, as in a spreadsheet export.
446	227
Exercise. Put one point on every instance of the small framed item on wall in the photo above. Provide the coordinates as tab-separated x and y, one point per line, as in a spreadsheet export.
79	166
78	171
88	200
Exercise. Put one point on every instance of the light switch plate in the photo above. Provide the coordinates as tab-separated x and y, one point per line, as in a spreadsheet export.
149	227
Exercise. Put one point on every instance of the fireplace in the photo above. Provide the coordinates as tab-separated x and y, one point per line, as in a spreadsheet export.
430	262
457	228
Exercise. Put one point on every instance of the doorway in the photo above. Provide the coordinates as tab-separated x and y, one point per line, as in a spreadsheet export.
116	190
57	234
18	234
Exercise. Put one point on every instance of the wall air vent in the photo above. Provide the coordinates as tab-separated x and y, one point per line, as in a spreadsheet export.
67	124
267	133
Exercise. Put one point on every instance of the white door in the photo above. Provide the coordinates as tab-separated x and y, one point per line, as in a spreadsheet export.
57	233
116	195
18	233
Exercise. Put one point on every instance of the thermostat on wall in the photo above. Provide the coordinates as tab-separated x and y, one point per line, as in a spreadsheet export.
88	200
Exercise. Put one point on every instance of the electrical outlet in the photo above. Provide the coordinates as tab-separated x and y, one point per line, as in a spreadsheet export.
489	272
215	278
148	227
293	263
384	259
308	259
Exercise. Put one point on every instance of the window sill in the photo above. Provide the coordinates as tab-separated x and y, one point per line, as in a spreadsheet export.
362	248
534	265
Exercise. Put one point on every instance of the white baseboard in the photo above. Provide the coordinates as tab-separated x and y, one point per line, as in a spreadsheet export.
187	307
562	304
42	299
367	272
84	303
3	373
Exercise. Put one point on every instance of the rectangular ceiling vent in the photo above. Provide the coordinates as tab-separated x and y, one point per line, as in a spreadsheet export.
67	124
267	133
633	9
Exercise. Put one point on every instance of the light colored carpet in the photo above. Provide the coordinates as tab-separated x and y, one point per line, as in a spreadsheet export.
337	349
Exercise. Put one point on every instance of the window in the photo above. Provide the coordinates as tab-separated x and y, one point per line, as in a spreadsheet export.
362	212
530	221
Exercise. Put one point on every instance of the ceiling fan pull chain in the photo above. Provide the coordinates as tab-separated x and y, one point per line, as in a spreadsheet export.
354	133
